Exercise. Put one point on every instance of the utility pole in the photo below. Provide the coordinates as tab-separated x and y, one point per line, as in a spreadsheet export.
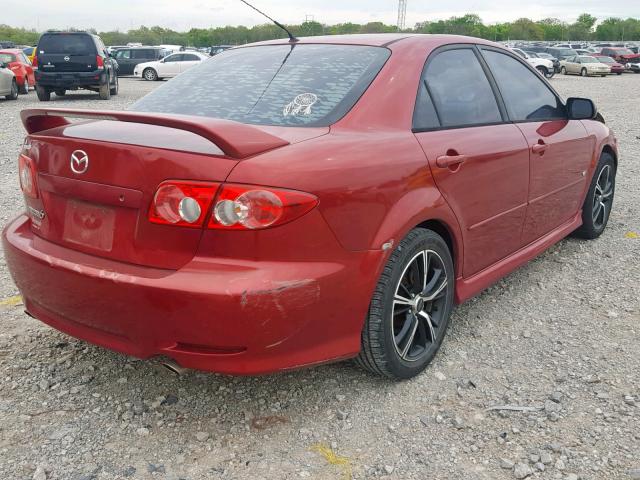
402	14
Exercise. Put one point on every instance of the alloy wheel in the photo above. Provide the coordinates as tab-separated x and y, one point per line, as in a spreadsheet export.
419	306
602	197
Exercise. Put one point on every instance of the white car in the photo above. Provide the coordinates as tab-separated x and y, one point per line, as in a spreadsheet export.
543	65
8	84
169	66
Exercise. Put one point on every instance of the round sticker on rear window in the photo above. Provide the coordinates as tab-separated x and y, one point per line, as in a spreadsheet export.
301	105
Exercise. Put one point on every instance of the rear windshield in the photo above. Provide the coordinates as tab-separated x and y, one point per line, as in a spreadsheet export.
69	43
7	58
605	59
299	85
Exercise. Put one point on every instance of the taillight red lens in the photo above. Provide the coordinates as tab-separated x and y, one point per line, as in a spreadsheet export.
248	207
27	174
34	64
99	62
182	203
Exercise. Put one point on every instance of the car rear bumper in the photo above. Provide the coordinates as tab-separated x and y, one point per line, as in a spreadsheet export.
69	79
220	315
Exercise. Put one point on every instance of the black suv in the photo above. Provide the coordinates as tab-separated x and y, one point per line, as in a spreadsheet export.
129	57
73	60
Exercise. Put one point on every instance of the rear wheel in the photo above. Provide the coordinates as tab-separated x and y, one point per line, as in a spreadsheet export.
410	309
150	74
60	92
13	95
599	200
25	86
105	90
44	95
563	70
116	86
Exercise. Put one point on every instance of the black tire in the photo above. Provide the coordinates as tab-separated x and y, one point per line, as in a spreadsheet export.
116	86
583	72
550	73
14	91
618	73
24	89
44	95
563	70
543	70
599	200
105	89
60	92
150	74
603	76
380	350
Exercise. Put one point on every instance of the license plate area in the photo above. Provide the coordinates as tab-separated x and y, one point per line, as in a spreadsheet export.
89	225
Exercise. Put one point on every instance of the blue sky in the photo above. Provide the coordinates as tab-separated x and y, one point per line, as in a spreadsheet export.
184	14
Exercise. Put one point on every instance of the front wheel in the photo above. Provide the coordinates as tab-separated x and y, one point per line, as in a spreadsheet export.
150	74
60	92
599	200
543	71
583	72
563	70
410	309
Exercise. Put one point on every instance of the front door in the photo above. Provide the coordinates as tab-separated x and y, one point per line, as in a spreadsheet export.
560	149
479	162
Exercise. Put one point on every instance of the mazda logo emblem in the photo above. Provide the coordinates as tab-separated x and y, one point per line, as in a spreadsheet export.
79	162
67	58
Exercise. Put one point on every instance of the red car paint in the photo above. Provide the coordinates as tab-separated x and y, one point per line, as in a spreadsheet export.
21	67
615	66
257	301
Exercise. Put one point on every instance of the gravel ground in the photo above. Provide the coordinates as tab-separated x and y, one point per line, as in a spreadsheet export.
559	337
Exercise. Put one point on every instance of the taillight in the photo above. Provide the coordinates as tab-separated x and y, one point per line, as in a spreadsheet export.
34	64
247	207
27	174
99	62
182	203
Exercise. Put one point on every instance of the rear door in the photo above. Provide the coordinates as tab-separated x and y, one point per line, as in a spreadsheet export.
560	149
67	52
479	161
125	62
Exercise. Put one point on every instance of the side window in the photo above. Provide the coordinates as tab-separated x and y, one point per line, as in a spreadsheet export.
142	54
524	92
460	89
123	54
173	58
190	57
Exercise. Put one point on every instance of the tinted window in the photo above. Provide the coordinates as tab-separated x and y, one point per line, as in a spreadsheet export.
69	43
460	90
144	53
173	58
524	92
424	115
123	54
272	84
7	58
190	57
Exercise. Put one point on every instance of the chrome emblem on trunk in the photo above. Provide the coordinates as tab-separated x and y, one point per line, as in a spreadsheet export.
79	162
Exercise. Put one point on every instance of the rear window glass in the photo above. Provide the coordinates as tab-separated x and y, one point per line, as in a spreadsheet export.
71	44
299	85
7	58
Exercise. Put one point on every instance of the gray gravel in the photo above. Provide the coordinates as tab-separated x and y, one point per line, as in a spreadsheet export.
560	337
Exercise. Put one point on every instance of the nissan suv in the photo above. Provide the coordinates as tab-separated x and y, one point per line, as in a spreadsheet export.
72	61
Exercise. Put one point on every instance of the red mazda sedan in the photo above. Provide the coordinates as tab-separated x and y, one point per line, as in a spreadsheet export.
17	61
286	204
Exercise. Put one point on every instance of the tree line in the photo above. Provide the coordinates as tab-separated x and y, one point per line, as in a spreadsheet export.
550	29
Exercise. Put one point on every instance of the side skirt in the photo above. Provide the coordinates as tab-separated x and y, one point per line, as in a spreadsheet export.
469	287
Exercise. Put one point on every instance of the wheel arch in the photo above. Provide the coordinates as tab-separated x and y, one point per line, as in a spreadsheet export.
611	151
442	229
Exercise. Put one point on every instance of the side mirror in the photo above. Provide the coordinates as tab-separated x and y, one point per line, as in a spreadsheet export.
581	109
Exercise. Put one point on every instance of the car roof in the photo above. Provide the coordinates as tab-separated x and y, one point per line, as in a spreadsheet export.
11	50
399	40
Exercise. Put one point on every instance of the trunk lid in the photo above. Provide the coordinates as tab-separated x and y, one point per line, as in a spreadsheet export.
102	208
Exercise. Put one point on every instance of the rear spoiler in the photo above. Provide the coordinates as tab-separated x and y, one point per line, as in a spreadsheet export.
235	139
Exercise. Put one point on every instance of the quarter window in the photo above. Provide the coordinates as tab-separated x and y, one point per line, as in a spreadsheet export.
523	91
460	89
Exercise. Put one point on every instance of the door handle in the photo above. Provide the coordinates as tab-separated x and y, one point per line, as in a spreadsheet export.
448	161
539	147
